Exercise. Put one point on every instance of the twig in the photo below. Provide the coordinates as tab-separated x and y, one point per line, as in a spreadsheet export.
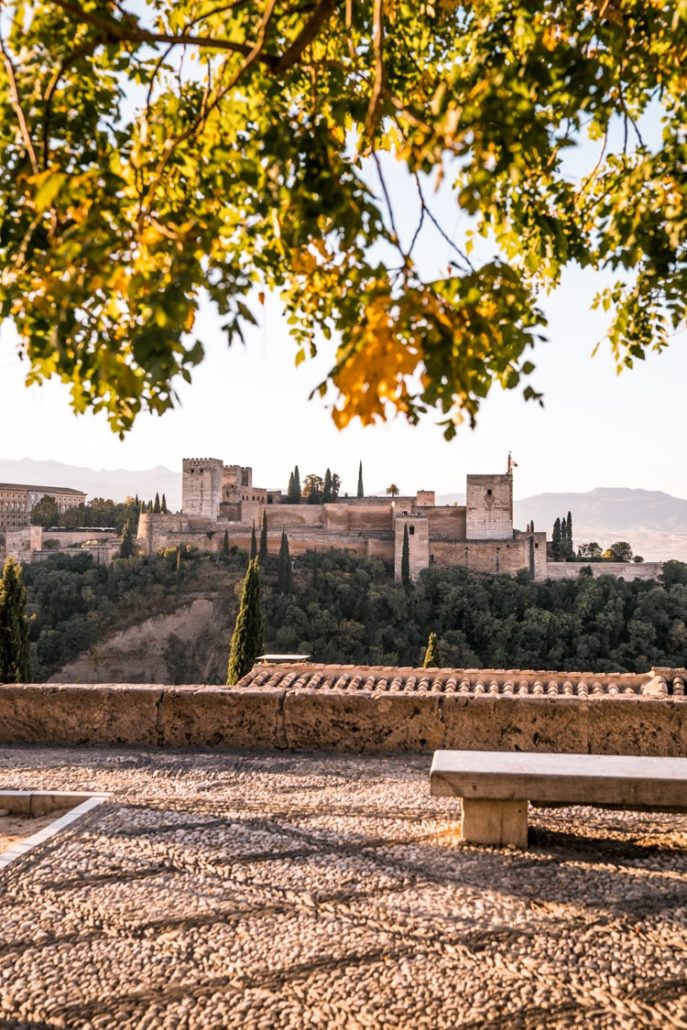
18	110
442	232
387	199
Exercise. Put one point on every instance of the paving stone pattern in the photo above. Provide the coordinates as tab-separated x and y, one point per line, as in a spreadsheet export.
272	890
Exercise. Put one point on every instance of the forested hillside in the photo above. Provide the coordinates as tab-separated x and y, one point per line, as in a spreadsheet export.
347	610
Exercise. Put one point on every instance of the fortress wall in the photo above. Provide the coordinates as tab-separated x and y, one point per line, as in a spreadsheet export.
447	522
336	517
624	570
482	556
383	549
371	518
360	721
294	516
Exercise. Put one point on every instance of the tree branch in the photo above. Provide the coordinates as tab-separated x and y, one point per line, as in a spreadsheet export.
378	86
321	15
18	110
131	33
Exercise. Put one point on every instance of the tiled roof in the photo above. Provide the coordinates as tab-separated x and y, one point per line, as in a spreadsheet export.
468	682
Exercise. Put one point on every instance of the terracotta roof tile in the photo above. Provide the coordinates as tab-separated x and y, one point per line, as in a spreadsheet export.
466	682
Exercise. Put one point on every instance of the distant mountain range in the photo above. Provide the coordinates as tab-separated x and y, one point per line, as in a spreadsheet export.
654	523
116	484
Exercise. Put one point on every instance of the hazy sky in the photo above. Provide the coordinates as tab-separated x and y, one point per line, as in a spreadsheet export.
249	406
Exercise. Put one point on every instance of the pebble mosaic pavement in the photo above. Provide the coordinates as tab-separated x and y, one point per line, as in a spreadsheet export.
273	890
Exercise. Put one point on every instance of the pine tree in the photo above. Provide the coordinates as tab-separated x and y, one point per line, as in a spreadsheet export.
327	489
556	540
284	575
253	544
157	508
296	486
361	492
405	558
263	539
432	660
15	661
165	509
225	542
127	548
246	640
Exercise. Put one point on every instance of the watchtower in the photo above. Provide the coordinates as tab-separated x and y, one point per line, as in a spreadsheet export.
201	487
489	514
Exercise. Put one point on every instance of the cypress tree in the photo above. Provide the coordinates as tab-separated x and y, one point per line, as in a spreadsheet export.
291	492
556	540
253	544
284	576
178	568
571	544
15	661
246	640
315	572
296	486
127	548
361	492
405	558
327	489
157	508
112	581
225	542
432	660
263	538
163	505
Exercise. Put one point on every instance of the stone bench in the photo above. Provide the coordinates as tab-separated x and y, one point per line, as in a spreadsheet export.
496	786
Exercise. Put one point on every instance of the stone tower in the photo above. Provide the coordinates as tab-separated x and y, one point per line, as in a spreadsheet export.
489	503
418	543
201	487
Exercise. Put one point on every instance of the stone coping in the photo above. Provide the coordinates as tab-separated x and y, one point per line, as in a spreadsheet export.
356	721
40	803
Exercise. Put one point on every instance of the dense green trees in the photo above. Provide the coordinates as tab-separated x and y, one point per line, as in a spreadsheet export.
343	609
15	662
246	640
45	512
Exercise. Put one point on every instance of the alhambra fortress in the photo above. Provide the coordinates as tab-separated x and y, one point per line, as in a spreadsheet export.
479	535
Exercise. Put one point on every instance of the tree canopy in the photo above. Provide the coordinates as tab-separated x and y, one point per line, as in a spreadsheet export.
151	155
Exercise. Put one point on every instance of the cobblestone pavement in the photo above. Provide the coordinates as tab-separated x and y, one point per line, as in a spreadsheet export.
295	890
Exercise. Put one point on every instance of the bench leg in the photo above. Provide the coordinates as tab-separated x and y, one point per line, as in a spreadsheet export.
487	821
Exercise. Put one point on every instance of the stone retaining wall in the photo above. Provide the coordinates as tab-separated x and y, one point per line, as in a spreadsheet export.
165	716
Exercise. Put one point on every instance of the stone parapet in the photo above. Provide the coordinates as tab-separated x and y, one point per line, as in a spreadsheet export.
288	717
